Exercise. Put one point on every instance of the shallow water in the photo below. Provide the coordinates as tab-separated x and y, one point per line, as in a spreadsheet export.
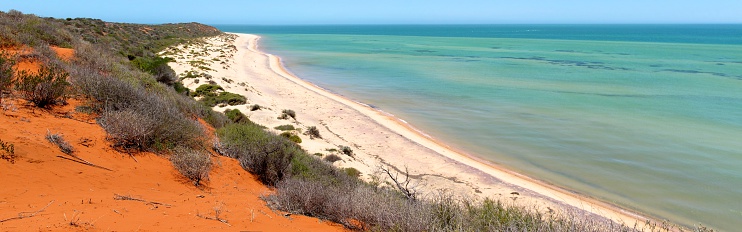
648	117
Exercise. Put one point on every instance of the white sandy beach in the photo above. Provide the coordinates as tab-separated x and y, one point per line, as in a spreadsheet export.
377	138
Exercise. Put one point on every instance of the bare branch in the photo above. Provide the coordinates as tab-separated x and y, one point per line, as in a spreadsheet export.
23	215
402	185
129	198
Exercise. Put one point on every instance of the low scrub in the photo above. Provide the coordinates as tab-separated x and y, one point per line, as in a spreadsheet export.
236	116
227	98
193	164
287	127
286	114
157	66
264	154
7	74
46	87
206	90
313	132
7	151
291	137
62	144
332	158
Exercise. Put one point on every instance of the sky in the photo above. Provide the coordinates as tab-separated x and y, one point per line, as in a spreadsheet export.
295	12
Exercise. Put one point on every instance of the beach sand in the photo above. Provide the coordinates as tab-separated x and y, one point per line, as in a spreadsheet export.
377	139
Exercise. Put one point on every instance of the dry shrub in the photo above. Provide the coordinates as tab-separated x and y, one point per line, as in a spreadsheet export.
193	164
46	87
58	140
7	151
6	72
313	132
332	158
264	154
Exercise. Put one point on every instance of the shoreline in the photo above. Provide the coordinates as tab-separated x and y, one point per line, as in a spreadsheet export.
380	139
610	211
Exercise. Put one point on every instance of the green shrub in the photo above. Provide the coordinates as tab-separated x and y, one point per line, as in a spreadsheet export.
236	116
266	155
332	158
352	172
231	99
6	72
313	132
193	164
152	122
181	89
157	66
286	127
207	90
290	136
46	87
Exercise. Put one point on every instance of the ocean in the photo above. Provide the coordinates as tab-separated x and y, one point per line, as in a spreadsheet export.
647	117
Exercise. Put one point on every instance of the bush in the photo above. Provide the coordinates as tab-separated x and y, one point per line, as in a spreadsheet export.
157	66
313	132
193	164
266	155
286	127
290	136
7	151
255	107
352	172
285	114
231	99
58	140
236	116
152	122
6	72
346	150
332	158
46	87
207	90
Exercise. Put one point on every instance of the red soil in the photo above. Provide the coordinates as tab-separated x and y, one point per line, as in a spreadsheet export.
62	195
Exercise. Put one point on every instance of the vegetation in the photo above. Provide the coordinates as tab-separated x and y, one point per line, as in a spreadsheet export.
46	87
7	151
193	164
332	158
58	140
227	98
291	136
6	72
313	132
157	66
346	150
285	114
236	116
286	127
206	90
266	155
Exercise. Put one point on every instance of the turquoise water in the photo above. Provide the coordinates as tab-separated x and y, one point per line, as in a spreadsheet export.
648	117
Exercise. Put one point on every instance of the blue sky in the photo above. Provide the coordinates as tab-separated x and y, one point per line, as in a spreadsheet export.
388	11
